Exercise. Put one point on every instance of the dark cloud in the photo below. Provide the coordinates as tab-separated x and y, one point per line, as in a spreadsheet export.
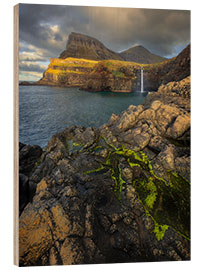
164	32
36	21
157	30
118	28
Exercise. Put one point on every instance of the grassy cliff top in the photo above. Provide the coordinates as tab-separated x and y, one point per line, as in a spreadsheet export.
69	62
110	65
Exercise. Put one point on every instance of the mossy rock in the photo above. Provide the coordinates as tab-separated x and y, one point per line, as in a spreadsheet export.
168	204
166	201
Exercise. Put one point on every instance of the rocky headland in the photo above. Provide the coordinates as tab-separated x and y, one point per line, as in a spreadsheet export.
114	75
69	72
88	64
118	193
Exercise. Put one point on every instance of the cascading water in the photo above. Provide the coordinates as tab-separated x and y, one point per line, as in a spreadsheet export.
142	85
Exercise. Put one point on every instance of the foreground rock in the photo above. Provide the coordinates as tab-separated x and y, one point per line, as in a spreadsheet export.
120	193
29	156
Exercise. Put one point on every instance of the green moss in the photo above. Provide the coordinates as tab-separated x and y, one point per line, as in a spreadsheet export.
176	175
101	169
103	141
76	144
166	202
74	147
160	230
132	164
114	178
120	181
151	198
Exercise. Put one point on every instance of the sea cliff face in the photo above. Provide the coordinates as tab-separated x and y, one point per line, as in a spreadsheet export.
118	193
88	64
67	72
90	75
108	75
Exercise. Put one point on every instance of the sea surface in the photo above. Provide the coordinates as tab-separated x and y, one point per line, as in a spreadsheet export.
45	110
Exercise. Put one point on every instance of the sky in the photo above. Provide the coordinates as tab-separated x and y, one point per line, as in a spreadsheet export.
44	31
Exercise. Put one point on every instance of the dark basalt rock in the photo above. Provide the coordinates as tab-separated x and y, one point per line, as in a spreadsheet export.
26	191
29	157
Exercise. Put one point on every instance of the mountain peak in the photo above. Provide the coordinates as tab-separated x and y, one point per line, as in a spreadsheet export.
140	54
79	36
83	46
141	47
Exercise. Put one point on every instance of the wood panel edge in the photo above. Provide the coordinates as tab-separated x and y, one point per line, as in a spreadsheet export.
16	135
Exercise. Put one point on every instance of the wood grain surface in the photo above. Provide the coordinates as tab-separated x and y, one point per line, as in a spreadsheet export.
16	135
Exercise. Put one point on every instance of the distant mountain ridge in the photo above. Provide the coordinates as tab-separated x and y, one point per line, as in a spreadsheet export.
114	75
83	46
141	55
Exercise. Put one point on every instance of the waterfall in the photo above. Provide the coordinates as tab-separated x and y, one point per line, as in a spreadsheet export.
142	87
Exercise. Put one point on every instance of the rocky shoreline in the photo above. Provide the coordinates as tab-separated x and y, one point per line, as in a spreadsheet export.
118	193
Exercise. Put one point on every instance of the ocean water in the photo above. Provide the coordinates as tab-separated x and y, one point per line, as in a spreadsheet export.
44	110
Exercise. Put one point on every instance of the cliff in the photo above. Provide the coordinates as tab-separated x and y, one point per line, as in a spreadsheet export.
111	75
115	75
141	55
67	72
108	75
118	193
174	69
155	75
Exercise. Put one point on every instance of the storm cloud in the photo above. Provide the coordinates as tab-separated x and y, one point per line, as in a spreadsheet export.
46	27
